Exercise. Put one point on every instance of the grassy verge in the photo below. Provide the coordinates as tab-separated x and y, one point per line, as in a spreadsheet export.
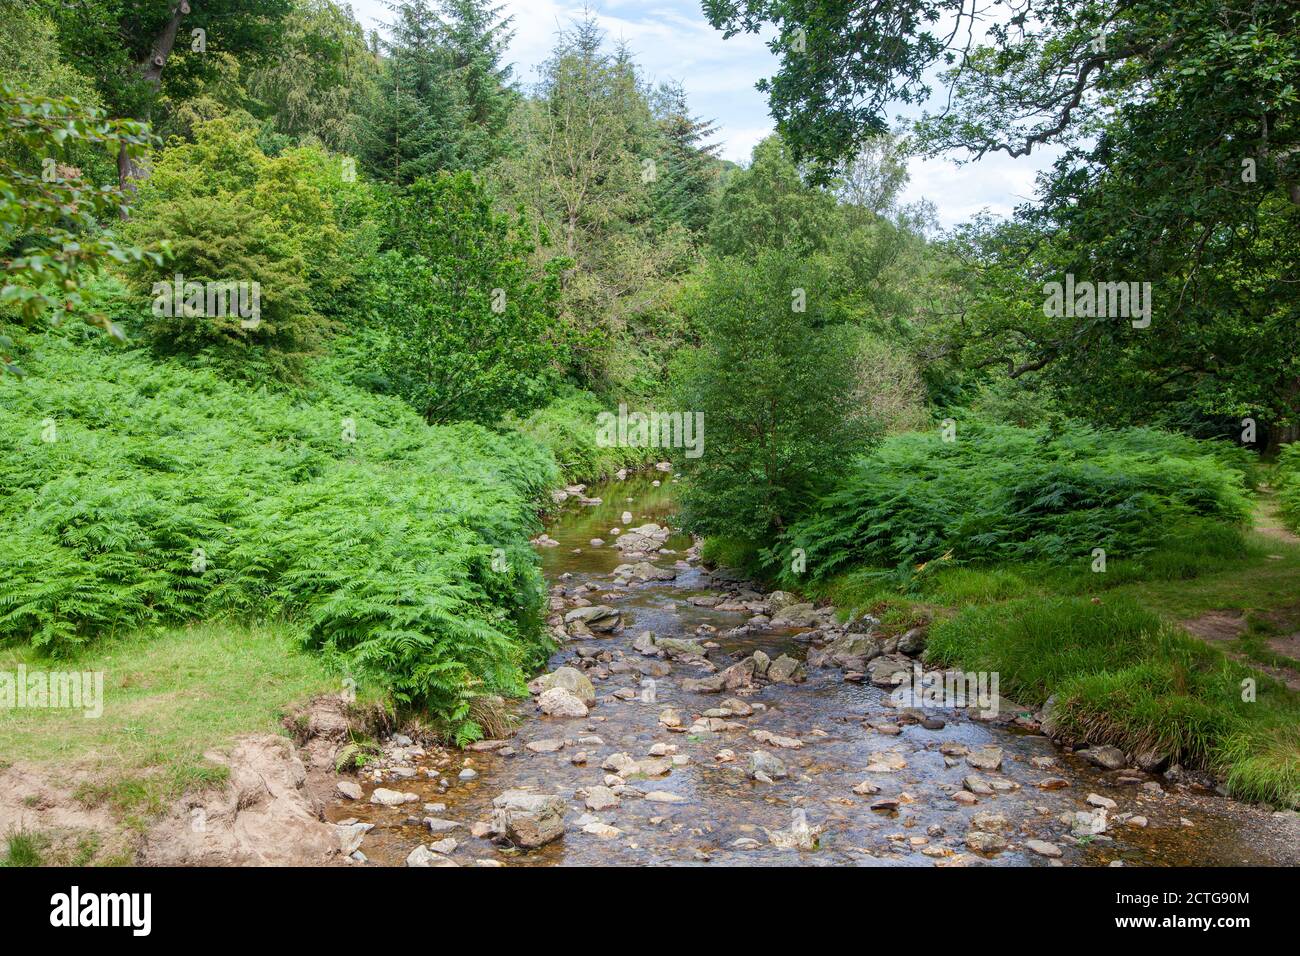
1108	647
167	698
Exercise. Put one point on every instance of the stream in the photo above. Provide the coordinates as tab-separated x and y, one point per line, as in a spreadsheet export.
695	806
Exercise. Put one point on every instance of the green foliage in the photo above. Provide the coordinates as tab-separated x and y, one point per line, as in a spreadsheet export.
226	212
22	848
1120	676
767	206
1288	490
50	234
168	495
468	334
567	428
443	99
774	385
999	493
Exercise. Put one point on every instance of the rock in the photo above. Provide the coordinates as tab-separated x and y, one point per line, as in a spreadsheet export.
678	647
913	642
977	784
601	798
1053	783
965	797
779	600
350	836
598	617
886	761
619	763
663	796
1136	821
529	819
760	761
985	758
645	571
391	798
445	846
670	717
983	842
885	803
933	723
437	825
735	707
1042	763
468	773
570	679
1089	824
713	684
776	740
1097	800
423	856
349	790
1152	761
738	675
989	822
1106	757
761	663
785	670
645	644
853	651
889	671
558	702
548	746
866	788
1043	848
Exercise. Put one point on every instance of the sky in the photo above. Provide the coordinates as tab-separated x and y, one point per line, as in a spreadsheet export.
671	40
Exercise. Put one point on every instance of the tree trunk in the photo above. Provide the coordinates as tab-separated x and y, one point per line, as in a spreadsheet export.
151	71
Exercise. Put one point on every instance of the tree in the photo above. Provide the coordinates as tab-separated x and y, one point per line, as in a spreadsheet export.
444	100
320	77
687	168
767	206
468	333
50	238
775	386
129	46
1181	169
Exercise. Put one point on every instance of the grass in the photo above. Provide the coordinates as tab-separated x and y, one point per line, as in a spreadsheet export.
168	698
1109	648
22	848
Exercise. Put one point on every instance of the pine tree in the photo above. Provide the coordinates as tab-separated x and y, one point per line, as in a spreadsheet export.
688	166
476	37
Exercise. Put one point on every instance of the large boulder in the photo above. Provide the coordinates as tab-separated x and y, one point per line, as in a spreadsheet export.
597	617
558	702
569	678
529	819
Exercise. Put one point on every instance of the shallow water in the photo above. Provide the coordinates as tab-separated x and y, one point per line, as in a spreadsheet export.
722	806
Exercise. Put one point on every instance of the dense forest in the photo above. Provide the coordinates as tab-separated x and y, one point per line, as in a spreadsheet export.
307	324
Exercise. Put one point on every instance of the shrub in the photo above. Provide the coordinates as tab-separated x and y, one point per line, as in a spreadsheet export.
1001	494
567	428
774	384
168	494
467	331
1288	485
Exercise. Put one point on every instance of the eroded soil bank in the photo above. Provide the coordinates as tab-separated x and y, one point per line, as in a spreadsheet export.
690	752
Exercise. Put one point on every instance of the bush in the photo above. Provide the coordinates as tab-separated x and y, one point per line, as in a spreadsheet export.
227	212
467	333
167	494
774	384
1000	494
1288	485
567	428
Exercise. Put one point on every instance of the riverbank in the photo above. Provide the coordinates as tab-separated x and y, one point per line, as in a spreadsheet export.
692	719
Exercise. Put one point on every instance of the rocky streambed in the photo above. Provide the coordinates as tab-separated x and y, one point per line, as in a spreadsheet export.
689	718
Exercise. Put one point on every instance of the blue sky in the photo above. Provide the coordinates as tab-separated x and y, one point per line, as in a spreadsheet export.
672	40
